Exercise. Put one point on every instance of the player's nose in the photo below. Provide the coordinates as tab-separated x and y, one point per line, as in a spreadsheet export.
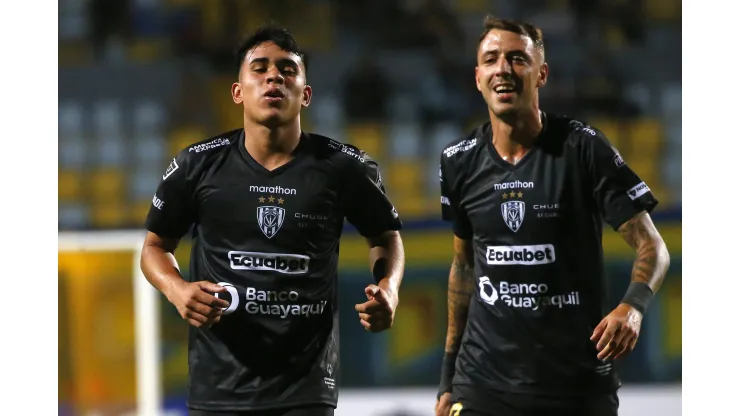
274	76
502	68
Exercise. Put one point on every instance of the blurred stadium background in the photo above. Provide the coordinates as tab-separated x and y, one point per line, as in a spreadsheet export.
141	79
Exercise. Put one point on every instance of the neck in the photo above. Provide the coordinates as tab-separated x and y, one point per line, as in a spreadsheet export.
513	137
272	147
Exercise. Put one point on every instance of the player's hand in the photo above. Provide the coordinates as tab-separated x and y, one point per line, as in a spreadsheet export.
196	303
444	405
378	312
617	333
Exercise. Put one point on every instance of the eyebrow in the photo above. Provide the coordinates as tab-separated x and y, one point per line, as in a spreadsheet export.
282	61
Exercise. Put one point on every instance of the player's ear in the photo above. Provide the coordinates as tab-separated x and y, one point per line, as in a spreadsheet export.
477	78
236	93
307	93
544	72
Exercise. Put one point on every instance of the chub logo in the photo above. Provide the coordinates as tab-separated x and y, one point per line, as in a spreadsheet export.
281	263
521	255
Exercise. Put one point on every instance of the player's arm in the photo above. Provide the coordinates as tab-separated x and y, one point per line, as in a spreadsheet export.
651	264
625	202
159	264
169	218
461	283
460	287
368	208
387	266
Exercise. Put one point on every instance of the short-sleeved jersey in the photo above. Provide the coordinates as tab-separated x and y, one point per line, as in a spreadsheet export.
536	229
272	239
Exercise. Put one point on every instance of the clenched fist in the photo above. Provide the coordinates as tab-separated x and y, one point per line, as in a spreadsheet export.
378	312
197	303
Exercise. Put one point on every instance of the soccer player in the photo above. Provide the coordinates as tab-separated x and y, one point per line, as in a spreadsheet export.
267	203
529	331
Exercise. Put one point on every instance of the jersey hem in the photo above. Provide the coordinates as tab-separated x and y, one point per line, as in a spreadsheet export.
572	392
239	407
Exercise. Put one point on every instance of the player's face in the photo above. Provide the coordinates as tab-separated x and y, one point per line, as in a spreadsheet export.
272	85
510	70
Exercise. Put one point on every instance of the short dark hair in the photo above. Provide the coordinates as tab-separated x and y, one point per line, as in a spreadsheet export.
523	28
271	33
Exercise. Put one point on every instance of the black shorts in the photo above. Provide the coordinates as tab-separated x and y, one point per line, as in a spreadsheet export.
470	402
312	410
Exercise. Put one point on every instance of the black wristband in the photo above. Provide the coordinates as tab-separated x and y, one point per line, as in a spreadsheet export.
639	296
448	371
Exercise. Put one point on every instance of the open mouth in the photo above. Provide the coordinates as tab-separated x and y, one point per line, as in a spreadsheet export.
274	95
504	90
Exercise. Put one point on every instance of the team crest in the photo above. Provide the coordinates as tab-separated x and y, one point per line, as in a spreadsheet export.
270	219
513	214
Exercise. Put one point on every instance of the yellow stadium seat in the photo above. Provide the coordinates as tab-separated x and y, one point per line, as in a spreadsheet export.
183	137
211	13
138	212
74	54
147	50
70	186
230	115
368	137
108	185
665	10
647	167
317	34
404	176
107	214
614	35
611	128
558	4
472	6
182	3
410	204
646	136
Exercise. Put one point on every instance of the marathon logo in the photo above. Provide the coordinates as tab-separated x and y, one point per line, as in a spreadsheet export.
638	190
281	263
513	185
272	190
520	255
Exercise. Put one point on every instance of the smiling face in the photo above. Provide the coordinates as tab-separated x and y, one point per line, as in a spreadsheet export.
510	71
272	85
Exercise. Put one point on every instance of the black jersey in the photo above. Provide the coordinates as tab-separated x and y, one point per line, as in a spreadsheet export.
272	239
536	229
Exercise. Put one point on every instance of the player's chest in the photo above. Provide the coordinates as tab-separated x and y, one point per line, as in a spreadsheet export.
537	200
291	204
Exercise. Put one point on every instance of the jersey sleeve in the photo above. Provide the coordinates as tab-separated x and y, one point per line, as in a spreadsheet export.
450	200
619	192
171	212
366	204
